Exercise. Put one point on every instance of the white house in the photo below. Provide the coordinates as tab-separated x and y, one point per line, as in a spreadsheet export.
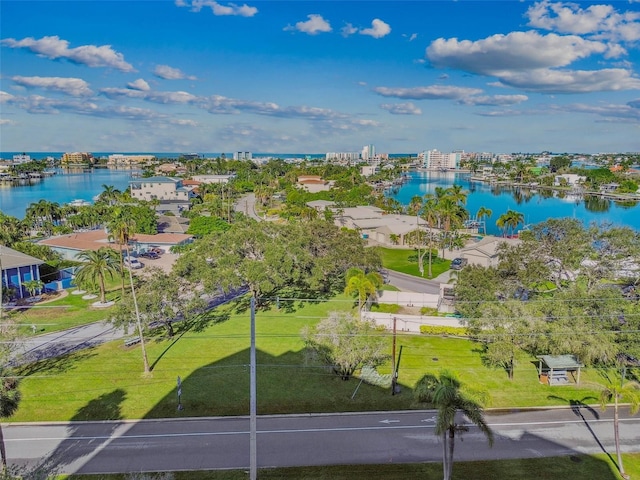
571	179
161	188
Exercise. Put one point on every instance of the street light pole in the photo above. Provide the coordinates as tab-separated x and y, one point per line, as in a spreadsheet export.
253	469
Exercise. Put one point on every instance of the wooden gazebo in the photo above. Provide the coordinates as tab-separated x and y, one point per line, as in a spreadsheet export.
554	369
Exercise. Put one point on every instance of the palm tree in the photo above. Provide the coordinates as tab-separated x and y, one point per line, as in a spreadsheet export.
110	194
509	221
362	284
9	401
415	205
614	390
121	228
445	394
33	286
482	213
97	266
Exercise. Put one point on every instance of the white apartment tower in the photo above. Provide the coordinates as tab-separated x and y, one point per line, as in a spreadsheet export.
242	156
368	153
436	160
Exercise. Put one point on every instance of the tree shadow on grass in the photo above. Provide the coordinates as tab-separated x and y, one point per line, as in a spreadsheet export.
51	364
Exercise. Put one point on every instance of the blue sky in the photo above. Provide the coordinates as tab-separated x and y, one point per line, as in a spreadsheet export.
320	76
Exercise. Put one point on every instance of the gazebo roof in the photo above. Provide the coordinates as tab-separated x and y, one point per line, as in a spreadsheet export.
560	361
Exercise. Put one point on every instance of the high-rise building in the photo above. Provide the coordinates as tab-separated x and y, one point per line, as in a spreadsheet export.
368	152
242	156
436	160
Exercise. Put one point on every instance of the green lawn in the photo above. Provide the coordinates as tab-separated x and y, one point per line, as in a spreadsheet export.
406	261
107	382
597	467
68	311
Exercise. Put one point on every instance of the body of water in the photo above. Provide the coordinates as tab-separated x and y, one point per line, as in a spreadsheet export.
536	206
63	187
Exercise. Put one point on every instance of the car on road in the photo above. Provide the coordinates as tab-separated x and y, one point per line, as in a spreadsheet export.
458	263
132	262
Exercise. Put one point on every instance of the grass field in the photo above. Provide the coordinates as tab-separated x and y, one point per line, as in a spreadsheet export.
577	467
66	311
406	261
106	382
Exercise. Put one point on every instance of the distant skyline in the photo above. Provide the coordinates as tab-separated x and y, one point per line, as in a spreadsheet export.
320	76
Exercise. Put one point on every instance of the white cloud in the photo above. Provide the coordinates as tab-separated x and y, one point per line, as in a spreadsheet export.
91	55
75	87
169	73
598	20
407	108
572	81
183	122
609	112
432	92
139	84
218	9
378	29
531	61
494	100
178	97
514	51
4	121
348	29
5	97
316	24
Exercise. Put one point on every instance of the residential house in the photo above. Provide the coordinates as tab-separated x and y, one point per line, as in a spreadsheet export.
71	244
314	183
570	179
161	188
484	252
214	178
16	268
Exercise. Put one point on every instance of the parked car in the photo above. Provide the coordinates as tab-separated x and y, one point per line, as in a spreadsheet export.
458	263
156	250
151	255
132	262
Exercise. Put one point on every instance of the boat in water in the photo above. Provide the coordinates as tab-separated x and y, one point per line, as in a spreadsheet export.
79	203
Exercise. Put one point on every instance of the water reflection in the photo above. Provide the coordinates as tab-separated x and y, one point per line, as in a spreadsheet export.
536	204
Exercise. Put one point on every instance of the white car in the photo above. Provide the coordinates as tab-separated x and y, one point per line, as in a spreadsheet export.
132	262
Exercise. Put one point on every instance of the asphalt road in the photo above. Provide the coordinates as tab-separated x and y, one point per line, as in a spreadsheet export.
299	440
409	283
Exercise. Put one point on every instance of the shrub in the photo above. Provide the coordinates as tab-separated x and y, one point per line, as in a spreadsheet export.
443	330
429	311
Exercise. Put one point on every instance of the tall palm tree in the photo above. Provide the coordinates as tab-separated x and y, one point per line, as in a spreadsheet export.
97	266
110	194
121	228
445	394
482	213
616	391
415	205
362	284
509	221
457	194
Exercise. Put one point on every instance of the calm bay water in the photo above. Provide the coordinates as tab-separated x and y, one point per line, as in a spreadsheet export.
68	185
535	207
65	186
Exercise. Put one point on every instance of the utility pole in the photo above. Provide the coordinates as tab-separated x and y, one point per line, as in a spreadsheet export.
393	356
253	460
